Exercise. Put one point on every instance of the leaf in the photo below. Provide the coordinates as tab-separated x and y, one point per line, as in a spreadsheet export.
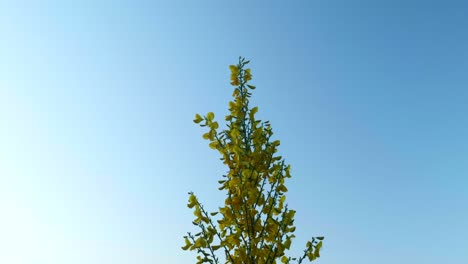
276	143
236	202
251	86
206	135
192	201
213	145
234	69
186	247
210	116
187	244
281	188
284	259
198	118
287	243
247	75
214	213
282	199
319	245
216	247
253	111
199	242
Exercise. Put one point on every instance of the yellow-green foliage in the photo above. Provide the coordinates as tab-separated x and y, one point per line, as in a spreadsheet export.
254	225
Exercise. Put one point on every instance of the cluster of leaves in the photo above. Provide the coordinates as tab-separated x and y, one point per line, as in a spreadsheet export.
255	225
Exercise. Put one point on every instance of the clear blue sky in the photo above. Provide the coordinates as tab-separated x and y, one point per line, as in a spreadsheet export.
98	149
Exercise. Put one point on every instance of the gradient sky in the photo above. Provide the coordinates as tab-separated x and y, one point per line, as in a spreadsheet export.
98	149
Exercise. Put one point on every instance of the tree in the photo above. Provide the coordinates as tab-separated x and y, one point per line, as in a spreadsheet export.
255	225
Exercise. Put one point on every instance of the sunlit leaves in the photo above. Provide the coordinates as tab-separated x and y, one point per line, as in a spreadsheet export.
187	244
192	200
198	118
254	225
234	75
247	75
281	188
210	116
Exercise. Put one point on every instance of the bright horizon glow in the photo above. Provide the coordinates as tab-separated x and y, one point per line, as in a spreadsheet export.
98	149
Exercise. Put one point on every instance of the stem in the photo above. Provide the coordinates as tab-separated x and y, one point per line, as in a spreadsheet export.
209	245
217	233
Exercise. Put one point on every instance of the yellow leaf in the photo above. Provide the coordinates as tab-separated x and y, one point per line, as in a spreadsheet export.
197	212
234	69
236	202
187	244
287	243
317	248
254	110
281	188
198	118
248	75
213	145
234	182
199	242
216	247
282	199
210	116
192	201
186	247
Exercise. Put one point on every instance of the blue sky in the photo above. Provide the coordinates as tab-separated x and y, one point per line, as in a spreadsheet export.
98	149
